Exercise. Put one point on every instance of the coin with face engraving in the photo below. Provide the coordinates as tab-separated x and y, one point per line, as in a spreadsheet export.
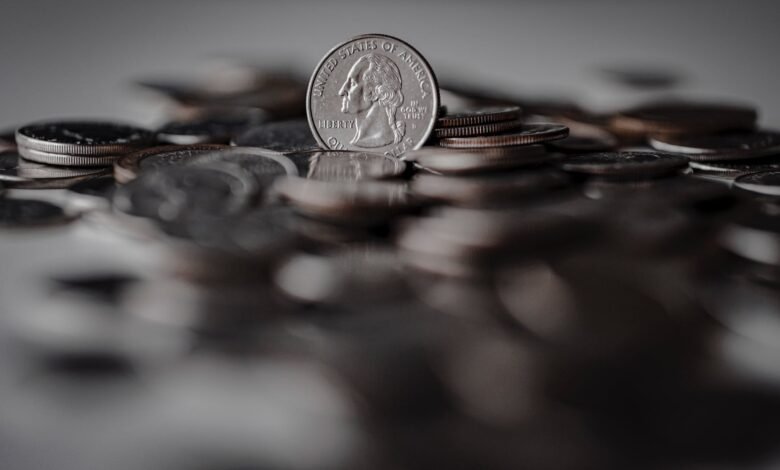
373	93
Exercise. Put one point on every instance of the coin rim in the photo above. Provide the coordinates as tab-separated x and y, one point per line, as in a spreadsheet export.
507	113
515	138
81	149
436	99
477	130
58	159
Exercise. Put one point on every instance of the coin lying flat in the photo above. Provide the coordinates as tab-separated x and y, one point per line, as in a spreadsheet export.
478	129
465	161
724	146
478	116
737	166
763	182
528	134
29	213
131	165
82	138
489	189
576	144
214	129
685	117
179	193
58	159
19	173
624	164
281	137
372	93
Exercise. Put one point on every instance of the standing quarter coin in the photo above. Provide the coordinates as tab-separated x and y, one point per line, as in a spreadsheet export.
372	93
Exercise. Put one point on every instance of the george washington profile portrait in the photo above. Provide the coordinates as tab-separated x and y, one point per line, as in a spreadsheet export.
372	93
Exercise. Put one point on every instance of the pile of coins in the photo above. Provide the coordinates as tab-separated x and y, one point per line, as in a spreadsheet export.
381	271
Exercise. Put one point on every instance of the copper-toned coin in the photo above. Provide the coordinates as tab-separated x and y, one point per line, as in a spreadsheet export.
464	161
680	117
766	183
478	116
719	147
528	134
478	129
129	166
625	164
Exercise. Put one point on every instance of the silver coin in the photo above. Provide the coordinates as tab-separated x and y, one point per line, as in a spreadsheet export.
61	159
130	165
373	93
85	138
262	165
763	182
178	193
19	173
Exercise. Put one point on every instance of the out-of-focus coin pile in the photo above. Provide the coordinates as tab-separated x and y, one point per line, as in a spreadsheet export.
539	286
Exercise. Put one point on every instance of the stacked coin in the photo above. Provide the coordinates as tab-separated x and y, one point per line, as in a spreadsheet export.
79	143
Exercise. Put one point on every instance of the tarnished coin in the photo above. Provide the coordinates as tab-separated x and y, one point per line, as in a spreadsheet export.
82	138
763	182
335	167
680	117
373	93
478	129
29	213
488	190
129	166
282	137
528	134
624	164
718	147
465	161
478	116
214	129
19	173
179	193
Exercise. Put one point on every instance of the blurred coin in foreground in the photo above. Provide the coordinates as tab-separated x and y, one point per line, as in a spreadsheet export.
624	164
465	161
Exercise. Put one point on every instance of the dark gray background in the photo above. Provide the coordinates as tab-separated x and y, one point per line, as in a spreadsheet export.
75	58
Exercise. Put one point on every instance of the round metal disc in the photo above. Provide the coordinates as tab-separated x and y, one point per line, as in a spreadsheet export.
372	93
97	138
